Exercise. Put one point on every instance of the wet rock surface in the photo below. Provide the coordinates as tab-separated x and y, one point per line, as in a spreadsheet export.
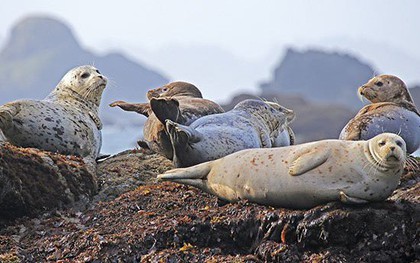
166	222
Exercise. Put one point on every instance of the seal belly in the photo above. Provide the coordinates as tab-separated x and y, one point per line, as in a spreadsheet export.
399	121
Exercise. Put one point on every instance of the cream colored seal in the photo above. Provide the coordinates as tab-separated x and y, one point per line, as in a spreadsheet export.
66	121
305	175
392	110
178	101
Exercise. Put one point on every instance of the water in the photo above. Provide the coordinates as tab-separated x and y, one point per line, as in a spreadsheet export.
116	139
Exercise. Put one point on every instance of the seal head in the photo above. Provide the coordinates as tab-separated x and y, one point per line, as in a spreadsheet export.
386	88
387	151
177	88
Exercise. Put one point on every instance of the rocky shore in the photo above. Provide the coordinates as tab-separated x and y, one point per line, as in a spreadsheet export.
53	209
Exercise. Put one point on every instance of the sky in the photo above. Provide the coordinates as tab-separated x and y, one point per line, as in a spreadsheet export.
252	33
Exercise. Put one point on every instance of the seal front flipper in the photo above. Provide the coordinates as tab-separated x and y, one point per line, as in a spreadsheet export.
308	161
166	109
194	176
141	108
351	200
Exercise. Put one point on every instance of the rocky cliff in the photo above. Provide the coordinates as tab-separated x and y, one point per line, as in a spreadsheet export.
40	50
323	77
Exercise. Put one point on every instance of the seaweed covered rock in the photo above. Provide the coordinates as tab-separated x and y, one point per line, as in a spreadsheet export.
33	181
166	222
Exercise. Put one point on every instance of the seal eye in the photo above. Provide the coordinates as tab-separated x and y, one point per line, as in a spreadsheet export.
399	143
381	143
165	89
379	83
85	75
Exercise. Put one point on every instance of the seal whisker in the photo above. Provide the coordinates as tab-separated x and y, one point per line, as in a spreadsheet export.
412	163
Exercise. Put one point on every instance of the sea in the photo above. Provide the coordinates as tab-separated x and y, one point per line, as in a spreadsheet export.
116	139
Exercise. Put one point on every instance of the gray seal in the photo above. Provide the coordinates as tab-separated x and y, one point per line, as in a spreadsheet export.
305	175
392	110
66	121
250	124
181	102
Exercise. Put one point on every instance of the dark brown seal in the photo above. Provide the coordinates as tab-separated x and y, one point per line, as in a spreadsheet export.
181	102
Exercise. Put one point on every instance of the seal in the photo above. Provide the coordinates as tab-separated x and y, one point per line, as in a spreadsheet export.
181	102
305	175
392	110
250	124
66	121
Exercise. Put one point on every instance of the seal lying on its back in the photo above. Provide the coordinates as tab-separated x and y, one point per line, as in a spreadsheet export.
305	175
251	124
392	110
66	121
178	101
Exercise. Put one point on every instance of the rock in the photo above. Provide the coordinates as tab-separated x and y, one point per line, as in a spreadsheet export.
171	223
327	77
128	170
34	181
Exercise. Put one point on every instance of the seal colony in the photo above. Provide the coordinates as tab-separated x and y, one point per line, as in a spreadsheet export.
392	110
365	166
250	124
178	101
66	121
303	176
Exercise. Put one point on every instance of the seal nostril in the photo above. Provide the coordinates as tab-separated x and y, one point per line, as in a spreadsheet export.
392	148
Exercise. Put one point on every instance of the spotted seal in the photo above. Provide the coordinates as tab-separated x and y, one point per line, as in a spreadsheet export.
392	110
66	121
250	124
303	176
179	101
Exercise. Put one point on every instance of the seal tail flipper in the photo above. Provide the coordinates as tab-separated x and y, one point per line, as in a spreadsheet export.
166	109
193	176
308	161
141	108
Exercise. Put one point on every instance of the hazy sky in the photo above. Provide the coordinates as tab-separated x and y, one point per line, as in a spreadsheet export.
248	30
